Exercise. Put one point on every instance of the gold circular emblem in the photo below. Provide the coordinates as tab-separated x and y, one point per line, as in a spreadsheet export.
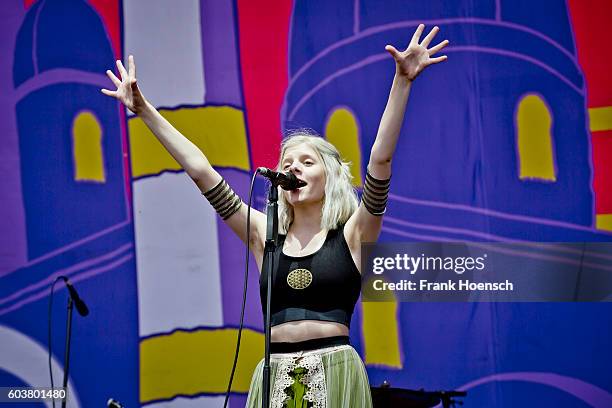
299	278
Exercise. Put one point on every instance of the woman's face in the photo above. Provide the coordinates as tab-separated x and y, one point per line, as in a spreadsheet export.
304	162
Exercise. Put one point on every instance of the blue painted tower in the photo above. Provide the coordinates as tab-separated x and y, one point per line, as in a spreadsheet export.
68	131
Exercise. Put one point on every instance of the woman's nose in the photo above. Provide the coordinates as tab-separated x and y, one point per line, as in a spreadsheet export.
294	168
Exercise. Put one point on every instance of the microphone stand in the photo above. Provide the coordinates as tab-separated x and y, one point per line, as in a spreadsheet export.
269	249
67	350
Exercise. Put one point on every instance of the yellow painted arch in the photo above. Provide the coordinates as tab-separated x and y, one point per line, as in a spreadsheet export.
88	154
342	130
535	140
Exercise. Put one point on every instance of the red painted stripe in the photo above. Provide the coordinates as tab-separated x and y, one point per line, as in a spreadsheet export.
602	155
263	40
590	21
592	29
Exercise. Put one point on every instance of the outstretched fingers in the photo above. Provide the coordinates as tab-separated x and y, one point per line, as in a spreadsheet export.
393	51
131	67
122	70
109	93
430	36
417	35
437	47
437	59
113	78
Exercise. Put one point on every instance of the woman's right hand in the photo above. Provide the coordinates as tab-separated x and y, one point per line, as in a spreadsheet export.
127	91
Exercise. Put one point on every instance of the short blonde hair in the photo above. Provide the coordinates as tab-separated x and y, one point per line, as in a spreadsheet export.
340	199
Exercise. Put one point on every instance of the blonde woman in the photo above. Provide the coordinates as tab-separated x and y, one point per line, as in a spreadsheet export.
317	277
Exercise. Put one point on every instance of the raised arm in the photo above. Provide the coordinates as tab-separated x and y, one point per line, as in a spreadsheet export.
364	226
187	154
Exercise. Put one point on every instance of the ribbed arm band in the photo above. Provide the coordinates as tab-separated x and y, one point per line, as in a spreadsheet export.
223	199
375	194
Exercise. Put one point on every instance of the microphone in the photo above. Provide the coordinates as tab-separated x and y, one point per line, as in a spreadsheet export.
78	302
111	403
286	180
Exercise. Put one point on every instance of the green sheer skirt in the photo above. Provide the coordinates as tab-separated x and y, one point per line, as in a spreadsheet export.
332	377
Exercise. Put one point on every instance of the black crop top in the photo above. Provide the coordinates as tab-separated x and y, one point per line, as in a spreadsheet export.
324	285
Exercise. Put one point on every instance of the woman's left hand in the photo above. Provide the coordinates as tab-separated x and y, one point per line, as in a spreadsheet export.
417	57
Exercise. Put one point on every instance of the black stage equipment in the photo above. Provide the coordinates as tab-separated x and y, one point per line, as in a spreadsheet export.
385	396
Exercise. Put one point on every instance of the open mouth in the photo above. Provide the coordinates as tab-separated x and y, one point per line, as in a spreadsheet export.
301	183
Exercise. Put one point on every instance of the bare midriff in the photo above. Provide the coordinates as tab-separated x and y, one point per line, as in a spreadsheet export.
292	332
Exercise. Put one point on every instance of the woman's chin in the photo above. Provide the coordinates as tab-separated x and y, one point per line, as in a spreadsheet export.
303	201
295	199
296	194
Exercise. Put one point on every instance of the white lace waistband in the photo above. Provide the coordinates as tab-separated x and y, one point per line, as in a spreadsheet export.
314	379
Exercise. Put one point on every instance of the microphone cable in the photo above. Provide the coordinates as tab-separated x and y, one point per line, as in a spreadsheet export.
244	294
49	332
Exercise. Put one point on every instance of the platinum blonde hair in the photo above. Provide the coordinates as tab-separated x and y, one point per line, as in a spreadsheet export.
340	199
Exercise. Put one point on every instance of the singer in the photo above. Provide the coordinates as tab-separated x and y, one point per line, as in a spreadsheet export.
322	225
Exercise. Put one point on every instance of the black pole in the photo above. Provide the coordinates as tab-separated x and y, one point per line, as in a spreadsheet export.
67	350
269	249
